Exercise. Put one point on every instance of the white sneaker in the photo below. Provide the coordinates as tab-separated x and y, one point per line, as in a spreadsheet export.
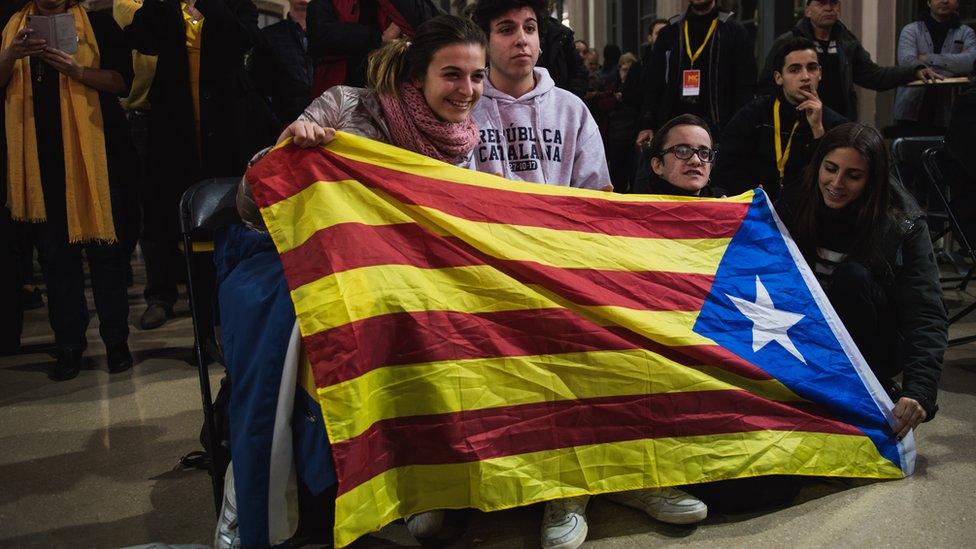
425	525
564	523
670	505
227	534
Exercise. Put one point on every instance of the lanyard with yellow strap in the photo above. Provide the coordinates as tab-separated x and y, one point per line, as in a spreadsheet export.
694	56
782	156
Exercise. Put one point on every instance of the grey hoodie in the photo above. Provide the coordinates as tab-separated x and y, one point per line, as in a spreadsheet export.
545	136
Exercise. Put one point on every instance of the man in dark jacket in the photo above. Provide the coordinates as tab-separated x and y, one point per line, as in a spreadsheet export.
199	125
843	60
560	57
702	64
281	68
769	142
342	33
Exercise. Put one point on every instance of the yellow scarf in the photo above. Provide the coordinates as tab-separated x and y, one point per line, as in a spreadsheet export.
85	166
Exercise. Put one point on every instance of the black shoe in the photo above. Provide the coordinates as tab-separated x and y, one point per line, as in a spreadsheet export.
155	316
67	366
31	299
119	358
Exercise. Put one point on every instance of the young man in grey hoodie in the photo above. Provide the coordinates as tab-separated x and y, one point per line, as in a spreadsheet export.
534	131
530	129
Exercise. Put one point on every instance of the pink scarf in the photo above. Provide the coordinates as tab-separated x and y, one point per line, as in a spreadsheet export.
413	126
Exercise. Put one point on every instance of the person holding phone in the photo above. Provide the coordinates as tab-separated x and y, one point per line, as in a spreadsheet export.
68	155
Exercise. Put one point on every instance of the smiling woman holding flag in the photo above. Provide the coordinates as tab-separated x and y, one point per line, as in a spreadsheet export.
68	153
867	241
420	98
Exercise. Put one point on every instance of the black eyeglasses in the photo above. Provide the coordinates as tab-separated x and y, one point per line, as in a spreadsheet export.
684	152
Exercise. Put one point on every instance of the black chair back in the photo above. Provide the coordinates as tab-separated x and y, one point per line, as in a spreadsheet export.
204	208
906	155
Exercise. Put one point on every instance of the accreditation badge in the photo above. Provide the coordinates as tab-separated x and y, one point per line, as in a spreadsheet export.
690	83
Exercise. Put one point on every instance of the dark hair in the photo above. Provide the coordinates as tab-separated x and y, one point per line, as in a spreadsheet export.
797	43
611	55
487	11
404	60
873	206
656	146
654	23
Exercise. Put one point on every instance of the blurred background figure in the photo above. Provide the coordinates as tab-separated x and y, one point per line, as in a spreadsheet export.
281	67
342	33
200	125
939	40
652	32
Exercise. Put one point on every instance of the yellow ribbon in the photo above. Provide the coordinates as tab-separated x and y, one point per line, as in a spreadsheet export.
694	56
782	156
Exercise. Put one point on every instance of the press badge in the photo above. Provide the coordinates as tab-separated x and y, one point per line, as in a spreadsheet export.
690	83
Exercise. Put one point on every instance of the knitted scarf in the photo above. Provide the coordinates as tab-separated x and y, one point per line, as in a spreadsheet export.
89	206
413	126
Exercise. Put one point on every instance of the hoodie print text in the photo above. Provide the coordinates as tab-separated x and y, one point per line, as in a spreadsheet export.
520	146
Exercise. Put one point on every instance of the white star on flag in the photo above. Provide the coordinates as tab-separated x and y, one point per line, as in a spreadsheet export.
768	323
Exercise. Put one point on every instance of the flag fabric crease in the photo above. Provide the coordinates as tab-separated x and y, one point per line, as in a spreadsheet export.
477	342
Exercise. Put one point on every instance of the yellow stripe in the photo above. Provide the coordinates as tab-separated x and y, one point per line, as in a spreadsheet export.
365	150
513	481
474	384
357	294
351	202
198	247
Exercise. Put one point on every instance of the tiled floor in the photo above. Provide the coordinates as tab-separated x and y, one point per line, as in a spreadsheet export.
90	463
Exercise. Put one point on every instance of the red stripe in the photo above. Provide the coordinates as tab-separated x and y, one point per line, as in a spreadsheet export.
351	350
353	245
289	170
478	435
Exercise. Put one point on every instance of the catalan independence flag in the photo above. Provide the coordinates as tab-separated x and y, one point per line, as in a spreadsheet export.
477	342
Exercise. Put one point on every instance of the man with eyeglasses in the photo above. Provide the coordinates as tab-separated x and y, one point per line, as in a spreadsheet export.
769	142
844	61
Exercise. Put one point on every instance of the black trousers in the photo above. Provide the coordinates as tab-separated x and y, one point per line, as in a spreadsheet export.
160	233
864	309
11	314
65	279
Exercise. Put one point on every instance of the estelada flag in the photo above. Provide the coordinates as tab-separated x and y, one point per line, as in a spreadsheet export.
478	342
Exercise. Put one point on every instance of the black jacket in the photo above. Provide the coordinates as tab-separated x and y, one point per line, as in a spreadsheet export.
912	288
747	157
281	70
729	63
560	58
856	64
329	36
227	137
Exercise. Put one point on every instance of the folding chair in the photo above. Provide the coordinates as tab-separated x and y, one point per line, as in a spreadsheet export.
932	161
906	153
205	207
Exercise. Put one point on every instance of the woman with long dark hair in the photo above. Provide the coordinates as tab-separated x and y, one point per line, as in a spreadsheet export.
867	241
